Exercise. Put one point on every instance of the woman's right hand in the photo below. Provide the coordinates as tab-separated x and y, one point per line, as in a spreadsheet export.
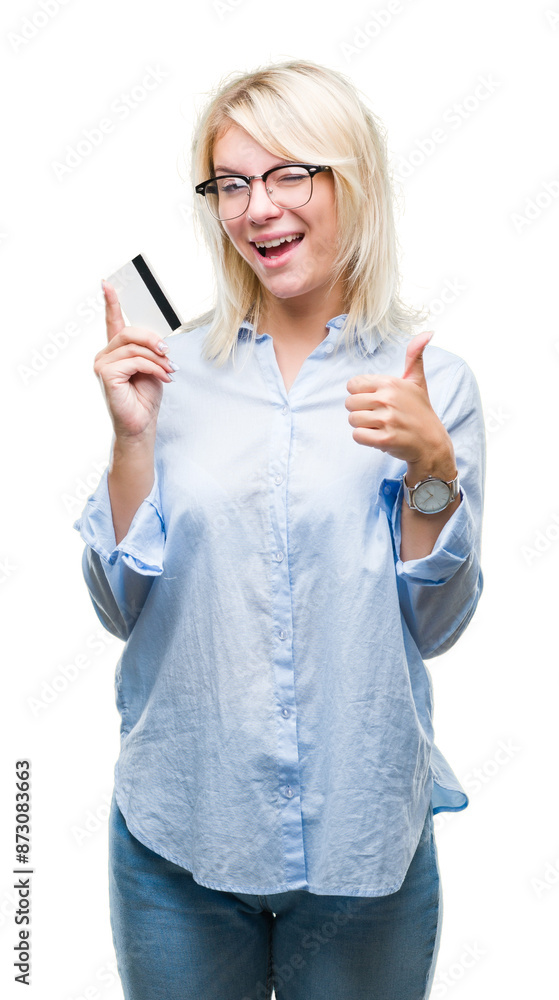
131	369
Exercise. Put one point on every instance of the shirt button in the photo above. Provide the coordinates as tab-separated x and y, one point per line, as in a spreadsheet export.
285	713
278	479
289	792
387	490
329	348
284	410
278	556
282	634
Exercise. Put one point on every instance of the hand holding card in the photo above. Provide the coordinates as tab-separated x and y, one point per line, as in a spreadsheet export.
131	369
133	365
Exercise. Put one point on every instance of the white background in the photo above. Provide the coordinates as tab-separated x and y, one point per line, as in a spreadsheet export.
475	216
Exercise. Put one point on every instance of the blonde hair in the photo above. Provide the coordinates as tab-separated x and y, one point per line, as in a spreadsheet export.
300	111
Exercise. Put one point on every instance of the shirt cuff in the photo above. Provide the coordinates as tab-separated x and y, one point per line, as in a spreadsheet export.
142	547
452	548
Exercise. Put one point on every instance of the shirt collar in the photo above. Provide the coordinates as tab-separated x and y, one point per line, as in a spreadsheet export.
334	326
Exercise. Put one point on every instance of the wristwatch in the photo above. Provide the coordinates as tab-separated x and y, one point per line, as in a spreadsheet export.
431	495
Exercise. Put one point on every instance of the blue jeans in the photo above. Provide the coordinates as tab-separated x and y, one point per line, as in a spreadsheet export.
177	940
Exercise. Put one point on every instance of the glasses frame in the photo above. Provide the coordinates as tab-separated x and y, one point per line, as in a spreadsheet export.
311	167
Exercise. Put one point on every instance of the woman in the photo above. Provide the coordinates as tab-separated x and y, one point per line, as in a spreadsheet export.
281	538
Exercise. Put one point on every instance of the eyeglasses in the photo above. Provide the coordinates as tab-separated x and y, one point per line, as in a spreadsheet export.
228	196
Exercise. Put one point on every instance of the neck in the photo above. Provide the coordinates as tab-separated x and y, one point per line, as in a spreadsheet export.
301	319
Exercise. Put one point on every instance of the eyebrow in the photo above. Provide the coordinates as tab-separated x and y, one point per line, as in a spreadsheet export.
230	170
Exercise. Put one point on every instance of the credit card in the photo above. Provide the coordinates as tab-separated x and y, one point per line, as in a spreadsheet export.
142	298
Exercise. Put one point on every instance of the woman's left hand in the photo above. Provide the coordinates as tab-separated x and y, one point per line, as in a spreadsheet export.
395	415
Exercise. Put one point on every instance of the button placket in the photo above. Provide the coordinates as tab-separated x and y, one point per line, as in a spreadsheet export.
288	779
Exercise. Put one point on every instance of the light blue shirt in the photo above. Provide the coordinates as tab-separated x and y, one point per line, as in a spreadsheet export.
277	715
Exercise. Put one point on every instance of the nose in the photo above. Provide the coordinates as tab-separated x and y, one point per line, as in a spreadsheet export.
260	206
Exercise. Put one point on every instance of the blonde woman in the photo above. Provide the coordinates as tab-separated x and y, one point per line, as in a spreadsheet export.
281	538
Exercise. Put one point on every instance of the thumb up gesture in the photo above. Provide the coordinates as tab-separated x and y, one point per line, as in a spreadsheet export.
395	415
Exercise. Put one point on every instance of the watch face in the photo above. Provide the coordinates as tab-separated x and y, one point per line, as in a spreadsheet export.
432	496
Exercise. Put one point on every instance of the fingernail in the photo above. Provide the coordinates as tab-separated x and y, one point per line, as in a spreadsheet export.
171	376
173	365
103	285
162	346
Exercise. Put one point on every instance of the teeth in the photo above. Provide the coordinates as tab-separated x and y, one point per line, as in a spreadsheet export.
276	243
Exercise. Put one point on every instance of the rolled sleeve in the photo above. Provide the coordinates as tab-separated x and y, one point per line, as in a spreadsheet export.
119	577
142	547
452	548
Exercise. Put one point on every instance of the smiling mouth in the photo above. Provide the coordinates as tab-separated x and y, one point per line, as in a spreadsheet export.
275	248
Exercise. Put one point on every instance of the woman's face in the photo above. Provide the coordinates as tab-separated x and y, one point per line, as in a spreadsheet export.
306	266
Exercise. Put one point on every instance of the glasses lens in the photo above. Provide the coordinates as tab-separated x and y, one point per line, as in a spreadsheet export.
289	187
227	197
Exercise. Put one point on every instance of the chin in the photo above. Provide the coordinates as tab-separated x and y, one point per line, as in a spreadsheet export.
285	289
285	293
